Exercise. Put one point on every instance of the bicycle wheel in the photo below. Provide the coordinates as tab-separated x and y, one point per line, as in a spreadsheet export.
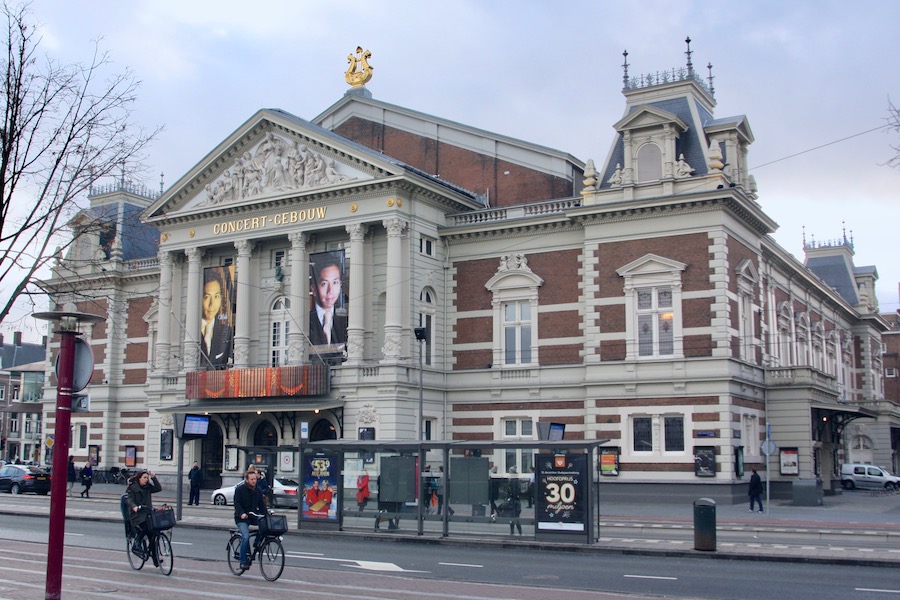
136	562
234	554
271	559
164	554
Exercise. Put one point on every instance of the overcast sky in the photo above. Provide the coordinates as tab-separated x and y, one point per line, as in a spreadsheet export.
811	76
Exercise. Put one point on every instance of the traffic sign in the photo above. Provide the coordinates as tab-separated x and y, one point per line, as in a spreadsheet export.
768	448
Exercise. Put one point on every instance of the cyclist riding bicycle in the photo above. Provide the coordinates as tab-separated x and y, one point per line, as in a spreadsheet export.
141	486
248	499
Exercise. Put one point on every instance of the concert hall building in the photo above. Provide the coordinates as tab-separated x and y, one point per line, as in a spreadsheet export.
637	297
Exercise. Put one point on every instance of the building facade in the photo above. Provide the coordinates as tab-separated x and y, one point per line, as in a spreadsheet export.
640	299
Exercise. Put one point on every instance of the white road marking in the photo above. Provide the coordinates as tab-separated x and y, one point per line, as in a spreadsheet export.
877	591
461	565
651	577
368	565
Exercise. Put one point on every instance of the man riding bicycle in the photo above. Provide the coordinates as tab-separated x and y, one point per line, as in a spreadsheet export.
140	503
247	500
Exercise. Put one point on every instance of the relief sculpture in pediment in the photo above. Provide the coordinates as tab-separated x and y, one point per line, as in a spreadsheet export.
276	166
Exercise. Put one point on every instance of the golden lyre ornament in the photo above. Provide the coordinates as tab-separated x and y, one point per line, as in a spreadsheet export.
359	72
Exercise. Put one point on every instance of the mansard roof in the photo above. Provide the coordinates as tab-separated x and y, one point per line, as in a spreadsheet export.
834	270
276	155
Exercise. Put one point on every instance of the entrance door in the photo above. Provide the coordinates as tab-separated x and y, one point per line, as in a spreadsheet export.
212	457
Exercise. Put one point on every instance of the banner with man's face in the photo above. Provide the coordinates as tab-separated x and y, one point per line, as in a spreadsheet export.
328	303
216	317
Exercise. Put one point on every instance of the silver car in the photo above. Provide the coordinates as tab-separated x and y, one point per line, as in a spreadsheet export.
284	493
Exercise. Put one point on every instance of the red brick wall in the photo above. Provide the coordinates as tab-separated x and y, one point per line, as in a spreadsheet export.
472	171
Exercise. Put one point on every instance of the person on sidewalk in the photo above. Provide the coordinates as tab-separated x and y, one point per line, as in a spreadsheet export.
362	489
195	477
71	476
87	479
755	491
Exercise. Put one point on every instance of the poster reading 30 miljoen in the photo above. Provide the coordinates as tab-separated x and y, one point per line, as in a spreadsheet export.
561	481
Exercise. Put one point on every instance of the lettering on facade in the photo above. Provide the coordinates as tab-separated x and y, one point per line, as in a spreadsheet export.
286	218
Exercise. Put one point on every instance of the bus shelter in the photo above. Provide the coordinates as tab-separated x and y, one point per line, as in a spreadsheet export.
451	487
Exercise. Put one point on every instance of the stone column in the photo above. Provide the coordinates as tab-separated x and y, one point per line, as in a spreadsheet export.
356	321
242	318
164	312
393	318
191	350
299	295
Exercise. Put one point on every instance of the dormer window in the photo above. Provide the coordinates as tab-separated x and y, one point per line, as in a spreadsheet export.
649	163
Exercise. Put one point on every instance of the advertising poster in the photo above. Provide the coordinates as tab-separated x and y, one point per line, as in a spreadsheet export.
328	292
705	461
320	479
790	461
609	462
216	317
561	492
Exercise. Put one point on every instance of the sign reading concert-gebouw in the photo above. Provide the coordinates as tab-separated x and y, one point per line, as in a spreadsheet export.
561	481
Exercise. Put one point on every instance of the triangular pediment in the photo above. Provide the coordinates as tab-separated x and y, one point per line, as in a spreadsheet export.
651	264
272	156
649	117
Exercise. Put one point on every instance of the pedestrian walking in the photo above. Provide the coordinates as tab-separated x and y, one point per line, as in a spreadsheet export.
71	476
195	478
87	479
755	491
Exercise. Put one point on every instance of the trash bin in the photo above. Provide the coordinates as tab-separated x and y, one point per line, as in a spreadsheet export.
705	524
808	492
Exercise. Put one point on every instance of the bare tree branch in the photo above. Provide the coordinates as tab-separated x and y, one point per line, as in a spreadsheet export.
64	127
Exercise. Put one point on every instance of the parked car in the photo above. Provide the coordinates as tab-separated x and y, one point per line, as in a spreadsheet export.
867	477
20	479
284	493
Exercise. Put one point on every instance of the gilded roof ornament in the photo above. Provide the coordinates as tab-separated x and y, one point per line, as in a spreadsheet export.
359	72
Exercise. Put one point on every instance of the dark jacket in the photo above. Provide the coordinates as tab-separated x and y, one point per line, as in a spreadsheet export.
756	487
317	334
141	496
247	500
219	351
71	475
195	476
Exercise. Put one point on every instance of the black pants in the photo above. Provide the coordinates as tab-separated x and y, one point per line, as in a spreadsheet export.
194	497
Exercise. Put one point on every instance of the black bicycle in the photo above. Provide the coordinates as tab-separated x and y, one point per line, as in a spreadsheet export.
265	546
155	545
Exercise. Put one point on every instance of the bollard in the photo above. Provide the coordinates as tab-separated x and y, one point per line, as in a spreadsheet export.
705	524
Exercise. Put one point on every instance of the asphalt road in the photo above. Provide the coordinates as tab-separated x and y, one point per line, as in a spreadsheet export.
323	567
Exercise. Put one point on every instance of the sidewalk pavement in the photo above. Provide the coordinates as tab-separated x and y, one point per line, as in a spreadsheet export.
857	527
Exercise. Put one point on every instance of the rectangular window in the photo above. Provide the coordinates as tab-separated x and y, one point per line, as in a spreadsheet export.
15	393
278	258
654	320
428	429
890	372
517	333
642	439
82	436
28	425
280	330
426	246
518	429
14	422
425	320
674	427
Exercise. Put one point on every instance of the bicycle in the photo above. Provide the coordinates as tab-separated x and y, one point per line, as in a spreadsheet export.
154	545
265	546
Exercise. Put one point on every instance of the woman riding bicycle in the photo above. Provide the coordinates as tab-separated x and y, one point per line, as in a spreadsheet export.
247	500
141	486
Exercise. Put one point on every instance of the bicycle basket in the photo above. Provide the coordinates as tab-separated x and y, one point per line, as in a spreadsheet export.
273	525
161	519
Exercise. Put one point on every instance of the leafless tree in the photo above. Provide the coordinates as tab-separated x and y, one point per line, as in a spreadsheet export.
64	127
893	120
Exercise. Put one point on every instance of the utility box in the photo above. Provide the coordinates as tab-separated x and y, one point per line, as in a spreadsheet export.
808	492
705	524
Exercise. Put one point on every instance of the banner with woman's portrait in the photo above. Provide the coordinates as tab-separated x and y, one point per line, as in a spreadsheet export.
217	317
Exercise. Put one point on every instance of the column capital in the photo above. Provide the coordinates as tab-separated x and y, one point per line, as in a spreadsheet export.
244	247
357	231
298	240
166	259
194	254
394	226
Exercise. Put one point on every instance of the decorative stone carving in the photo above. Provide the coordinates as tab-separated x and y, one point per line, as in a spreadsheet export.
513	262
277	165
166	420
590	177
617	177
367	414
714	161
391	347
682	168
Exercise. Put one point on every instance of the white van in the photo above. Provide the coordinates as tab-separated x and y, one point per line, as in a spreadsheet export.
867	477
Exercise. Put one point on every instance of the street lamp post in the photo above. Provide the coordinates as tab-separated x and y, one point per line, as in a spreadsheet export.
66	386
422	338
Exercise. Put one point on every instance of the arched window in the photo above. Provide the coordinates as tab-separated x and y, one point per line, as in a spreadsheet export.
515	306
649	163
652	286
426	319
265	435
279	317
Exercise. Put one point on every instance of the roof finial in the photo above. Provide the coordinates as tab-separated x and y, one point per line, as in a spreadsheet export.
844	230
804	236
712	90
625	68
690	65
359	71
161	184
